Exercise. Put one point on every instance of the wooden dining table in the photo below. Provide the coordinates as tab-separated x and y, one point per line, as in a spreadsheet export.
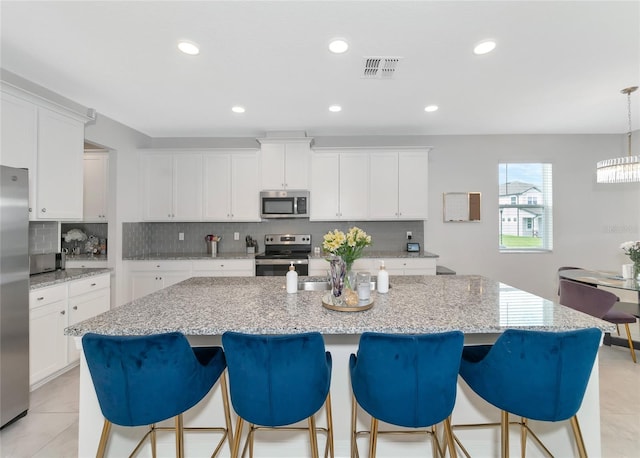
609	279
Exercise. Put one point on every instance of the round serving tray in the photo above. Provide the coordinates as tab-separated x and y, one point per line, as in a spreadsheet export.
327	302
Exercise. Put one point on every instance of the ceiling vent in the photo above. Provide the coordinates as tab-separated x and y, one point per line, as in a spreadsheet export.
380	67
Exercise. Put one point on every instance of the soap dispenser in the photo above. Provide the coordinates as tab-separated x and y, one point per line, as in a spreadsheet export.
292	279
383	279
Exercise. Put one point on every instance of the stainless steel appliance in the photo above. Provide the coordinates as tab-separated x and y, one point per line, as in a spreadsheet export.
14	294
280	250
284	204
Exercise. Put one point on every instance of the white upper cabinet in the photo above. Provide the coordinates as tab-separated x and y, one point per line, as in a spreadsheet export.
96	186
284	163
398	185
171	186
231	186
339	186
49	141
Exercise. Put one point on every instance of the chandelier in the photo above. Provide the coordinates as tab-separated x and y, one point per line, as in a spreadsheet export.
621	169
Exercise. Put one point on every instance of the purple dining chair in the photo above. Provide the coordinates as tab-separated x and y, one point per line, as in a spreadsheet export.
596	302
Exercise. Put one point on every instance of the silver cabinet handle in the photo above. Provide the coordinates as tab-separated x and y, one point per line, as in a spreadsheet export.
41	298
44	210
75	307
62	312
30	209
93	284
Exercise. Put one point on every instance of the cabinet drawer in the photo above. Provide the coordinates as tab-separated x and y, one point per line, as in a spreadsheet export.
223	265
44	296
86	285
158	266
410	263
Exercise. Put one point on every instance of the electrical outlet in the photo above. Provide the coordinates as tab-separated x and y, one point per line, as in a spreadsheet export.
409	235
236	236
180	235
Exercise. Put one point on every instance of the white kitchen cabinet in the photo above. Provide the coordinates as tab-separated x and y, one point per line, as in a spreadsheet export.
147	277
339	186
96	187
59	166
398	185
88	297
51	310
47	342
86	263
284	163
19	142
49	142
223	268
171	186
395	266
231	186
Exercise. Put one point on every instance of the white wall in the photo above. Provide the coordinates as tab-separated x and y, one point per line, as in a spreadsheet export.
590	219
122	143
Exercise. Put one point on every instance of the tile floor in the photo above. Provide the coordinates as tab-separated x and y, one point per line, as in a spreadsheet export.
50	430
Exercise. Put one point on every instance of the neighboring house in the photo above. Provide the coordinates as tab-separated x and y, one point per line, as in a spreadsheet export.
521	208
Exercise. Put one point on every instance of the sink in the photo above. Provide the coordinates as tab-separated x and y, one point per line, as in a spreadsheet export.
314	285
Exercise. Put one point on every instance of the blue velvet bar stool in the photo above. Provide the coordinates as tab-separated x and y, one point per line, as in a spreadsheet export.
406	380
535	375
142	380
276	381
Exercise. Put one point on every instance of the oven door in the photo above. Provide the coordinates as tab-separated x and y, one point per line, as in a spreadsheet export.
280	267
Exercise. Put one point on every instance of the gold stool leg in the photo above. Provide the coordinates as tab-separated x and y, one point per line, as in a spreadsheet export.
354	416
104	437
523	437
236	443
153	440
227	410
329	425
504	434
313	437
582	451
179	437
448	430
252	430
633	352
373	438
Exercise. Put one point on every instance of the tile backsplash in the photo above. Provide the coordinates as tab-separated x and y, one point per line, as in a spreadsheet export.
43	237
139	239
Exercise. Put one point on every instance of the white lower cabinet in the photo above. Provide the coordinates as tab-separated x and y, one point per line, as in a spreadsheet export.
224	268
54	308
395	266
150	276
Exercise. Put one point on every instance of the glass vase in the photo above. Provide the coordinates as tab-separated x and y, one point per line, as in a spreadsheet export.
338	271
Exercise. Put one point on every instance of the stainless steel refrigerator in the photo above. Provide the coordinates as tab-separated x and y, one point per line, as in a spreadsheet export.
14	294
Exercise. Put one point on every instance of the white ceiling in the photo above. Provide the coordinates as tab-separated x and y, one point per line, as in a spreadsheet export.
558	67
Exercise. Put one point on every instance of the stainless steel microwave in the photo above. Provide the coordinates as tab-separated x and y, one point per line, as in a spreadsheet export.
284	204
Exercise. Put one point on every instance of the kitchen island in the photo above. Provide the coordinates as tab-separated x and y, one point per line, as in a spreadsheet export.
204	308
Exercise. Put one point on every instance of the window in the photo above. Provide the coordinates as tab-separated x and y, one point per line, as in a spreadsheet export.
528	227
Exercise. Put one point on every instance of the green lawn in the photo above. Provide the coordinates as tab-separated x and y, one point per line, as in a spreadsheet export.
513	241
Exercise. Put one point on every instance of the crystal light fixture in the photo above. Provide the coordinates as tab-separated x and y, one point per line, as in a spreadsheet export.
621	169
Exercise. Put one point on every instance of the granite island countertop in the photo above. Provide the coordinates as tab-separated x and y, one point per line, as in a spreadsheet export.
62	276
414	304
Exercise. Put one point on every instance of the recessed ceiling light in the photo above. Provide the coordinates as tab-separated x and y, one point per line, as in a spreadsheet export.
335	108
431	108
238	109
188	47
484	47
338	46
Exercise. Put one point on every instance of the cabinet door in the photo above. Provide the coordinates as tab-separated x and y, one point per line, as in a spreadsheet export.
157	186
354	186
187	186
413	185
96	181
272	157
82	308
47	342
145	283
296	165
245	203
217	187
19	127
325	191
60	166
383	185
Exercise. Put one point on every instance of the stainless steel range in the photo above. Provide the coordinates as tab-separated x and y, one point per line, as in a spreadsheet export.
280	250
